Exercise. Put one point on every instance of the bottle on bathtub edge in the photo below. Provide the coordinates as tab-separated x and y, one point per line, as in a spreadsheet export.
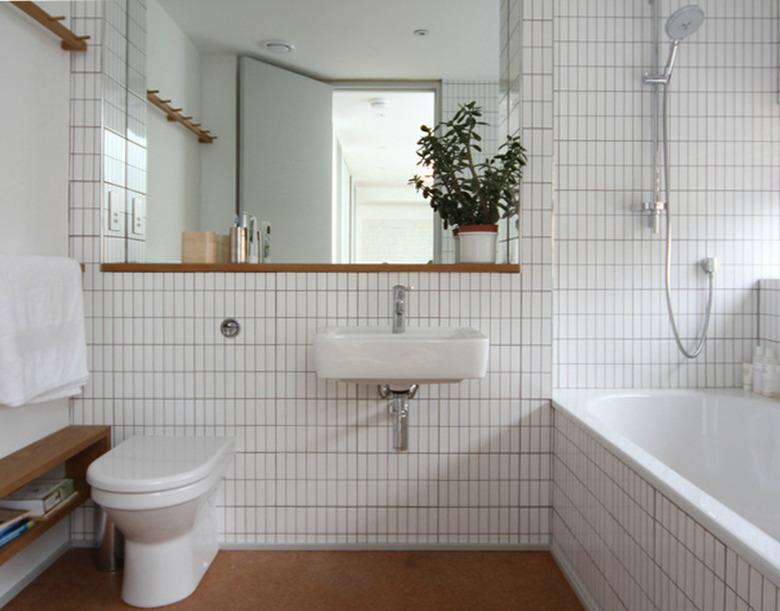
747	377
758	369
770	372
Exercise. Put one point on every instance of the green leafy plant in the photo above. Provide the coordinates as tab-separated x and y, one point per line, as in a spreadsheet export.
462	191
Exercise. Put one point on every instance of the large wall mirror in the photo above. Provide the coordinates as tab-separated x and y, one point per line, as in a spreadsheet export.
316	108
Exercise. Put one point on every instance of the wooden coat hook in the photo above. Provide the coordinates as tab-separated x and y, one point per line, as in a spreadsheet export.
70	41
175	114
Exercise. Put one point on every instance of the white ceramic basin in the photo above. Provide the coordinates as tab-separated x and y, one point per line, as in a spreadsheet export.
429	355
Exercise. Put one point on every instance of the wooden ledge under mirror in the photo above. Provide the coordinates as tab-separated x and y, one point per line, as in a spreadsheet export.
458	268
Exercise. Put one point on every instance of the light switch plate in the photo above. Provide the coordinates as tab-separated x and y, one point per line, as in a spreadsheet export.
114	214
138	217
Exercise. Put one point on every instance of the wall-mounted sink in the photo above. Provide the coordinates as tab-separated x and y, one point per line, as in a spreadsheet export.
419	355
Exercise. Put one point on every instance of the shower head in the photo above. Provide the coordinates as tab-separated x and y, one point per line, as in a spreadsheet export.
684	22
681	24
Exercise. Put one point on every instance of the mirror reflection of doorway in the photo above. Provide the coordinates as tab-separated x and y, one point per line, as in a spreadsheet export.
326	166
377	216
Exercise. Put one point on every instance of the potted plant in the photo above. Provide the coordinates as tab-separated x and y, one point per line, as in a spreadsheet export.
468	195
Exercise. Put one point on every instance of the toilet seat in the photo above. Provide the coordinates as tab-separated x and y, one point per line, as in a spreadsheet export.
154	464
136	501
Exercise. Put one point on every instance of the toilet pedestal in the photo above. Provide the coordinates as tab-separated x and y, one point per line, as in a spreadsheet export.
154	573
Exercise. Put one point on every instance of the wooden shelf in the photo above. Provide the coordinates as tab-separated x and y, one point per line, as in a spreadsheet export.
70	41
176	115
9	550
75	447
455	268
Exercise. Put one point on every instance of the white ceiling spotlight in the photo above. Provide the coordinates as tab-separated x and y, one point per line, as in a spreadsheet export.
278	46
421	32
380	105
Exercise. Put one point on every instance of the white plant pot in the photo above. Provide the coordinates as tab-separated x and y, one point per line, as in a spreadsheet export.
477	245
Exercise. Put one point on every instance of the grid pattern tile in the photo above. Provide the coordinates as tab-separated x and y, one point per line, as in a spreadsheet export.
315	463
634	548
108	139
611	327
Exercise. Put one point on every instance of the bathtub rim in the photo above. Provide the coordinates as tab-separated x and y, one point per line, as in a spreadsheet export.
758	548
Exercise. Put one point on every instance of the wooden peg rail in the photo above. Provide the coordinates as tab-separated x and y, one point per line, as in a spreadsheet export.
70	41
175	114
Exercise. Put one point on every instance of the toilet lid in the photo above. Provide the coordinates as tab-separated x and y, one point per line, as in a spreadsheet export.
152	464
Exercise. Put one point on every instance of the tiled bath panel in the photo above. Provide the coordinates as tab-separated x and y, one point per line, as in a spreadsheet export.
632	548
314	462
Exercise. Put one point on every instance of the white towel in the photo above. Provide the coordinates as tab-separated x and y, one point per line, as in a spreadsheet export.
43	351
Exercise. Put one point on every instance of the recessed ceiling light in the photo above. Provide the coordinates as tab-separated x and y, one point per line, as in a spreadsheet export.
379	103
278	46
421	32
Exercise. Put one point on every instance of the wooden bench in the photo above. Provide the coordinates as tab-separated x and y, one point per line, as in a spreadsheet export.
75	447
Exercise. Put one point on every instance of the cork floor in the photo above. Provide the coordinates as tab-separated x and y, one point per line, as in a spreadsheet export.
327	580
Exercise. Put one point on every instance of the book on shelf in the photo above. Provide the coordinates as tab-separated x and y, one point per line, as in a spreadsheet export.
39	496
11	518
19	528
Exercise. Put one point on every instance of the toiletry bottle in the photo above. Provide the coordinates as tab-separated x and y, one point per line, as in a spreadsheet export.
769	377
774	386
237	243
265	228
254	246
770	372
747	376
758	368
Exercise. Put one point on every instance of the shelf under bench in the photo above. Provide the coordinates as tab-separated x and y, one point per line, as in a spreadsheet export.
75	447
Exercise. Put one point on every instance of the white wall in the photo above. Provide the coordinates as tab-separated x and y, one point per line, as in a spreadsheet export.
218	160
33	211
173	196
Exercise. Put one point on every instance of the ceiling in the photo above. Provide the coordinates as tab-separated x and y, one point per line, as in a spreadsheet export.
379	144
353	39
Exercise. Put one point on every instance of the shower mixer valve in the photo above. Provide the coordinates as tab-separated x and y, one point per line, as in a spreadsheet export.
654	211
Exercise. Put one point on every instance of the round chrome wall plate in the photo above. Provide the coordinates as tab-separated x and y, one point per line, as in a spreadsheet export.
230	328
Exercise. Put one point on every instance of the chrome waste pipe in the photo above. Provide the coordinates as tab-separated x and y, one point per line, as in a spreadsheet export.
399	411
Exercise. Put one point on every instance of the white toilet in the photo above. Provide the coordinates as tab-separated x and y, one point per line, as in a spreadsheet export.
159	491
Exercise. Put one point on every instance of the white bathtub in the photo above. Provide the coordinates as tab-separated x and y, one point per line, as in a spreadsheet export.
717	454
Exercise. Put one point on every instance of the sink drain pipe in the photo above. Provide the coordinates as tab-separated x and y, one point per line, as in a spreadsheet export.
399	411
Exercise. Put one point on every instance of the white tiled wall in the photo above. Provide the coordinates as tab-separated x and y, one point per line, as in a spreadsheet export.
315	463
611	328
525	106
108	139
631	547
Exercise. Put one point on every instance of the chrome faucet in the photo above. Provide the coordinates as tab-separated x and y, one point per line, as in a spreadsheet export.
398	307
